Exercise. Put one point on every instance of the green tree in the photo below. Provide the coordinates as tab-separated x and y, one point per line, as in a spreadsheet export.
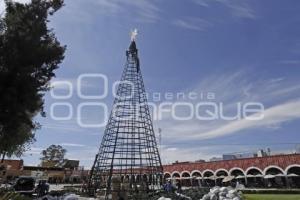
54	155
29	54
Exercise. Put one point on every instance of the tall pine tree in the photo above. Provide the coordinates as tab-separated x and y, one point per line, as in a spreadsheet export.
29	55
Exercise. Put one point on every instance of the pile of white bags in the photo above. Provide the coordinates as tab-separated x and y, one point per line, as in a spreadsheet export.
223	193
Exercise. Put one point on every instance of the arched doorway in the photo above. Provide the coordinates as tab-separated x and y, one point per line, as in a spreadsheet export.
127	178
208	178
145	178
197	178
159	179
167	176
274	177
175	177
186	179
133	179
138	178
220	175
255	178
293	176
239	175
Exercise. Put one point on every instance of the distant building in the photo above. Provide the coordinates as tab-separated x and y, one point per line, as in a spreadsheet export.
68	172
71	164
215	159
238	156
13	164
283	167
298	148
10	169
72	174
177	162
263	153
52	174
49	163
229	157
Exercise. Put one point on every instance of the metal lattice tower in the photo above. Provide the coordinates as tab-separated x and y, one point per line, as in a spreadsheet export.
128	161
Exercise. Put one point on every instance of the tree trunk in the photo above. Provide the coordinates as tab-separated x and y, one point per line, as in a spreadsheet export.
3	156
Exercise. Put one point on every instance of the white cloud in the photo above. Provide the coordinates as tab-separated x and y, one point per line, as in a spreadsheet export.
190	23
203	3
171	154
171	149
275	80
273	116
241	10
238	9
69	127
285	91
290	62
147	10
85	154
142	10
66	144
279	96
63	127
181	155
34	151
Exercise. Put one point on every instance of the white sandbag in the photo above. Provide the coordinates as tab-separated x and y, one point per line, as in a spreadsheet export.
213	197
163	198
206	197
222	194
224	189
71	197
232	192
215	190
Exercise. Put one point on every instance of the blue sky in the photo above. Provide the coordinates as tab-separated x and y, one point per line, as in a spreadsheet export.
240	50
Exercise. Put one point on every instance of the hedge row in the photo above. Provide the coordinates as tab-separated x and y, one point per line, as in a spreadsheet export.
271	191
13	195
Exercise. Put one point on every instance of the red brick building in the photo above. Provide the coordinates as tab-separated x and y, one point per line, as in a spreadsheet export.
12	169
280	167
14	164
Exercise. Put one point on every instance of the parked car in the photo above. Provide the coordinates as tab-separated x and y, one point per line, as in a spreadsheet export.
25	185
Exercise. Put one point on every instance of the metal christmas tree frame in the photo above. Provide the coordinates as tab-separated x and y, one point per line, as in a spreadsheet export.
128	162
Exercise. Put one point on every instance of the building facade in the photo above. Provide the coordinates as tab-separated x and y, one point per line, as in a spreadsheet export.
270	171
70	172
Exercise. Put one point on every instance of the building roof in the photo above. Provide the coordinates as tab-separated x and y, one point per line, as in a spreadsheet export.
13	164
38	168
282	161
71	164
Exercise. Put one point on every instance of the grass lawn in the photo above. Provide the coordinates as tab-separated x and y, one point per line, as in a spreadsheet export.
272	197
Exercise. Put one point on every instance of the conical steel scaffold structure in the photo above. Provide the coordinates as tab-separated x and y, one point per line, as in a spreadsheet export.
128	161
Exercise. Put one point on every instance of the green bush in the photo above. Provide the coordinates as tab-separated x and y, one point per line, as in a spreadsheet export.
272	197
13	196
195	194
274	191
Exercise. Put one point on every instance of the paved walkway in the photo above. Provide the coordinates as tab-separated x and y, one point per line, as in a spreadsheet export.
61	186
